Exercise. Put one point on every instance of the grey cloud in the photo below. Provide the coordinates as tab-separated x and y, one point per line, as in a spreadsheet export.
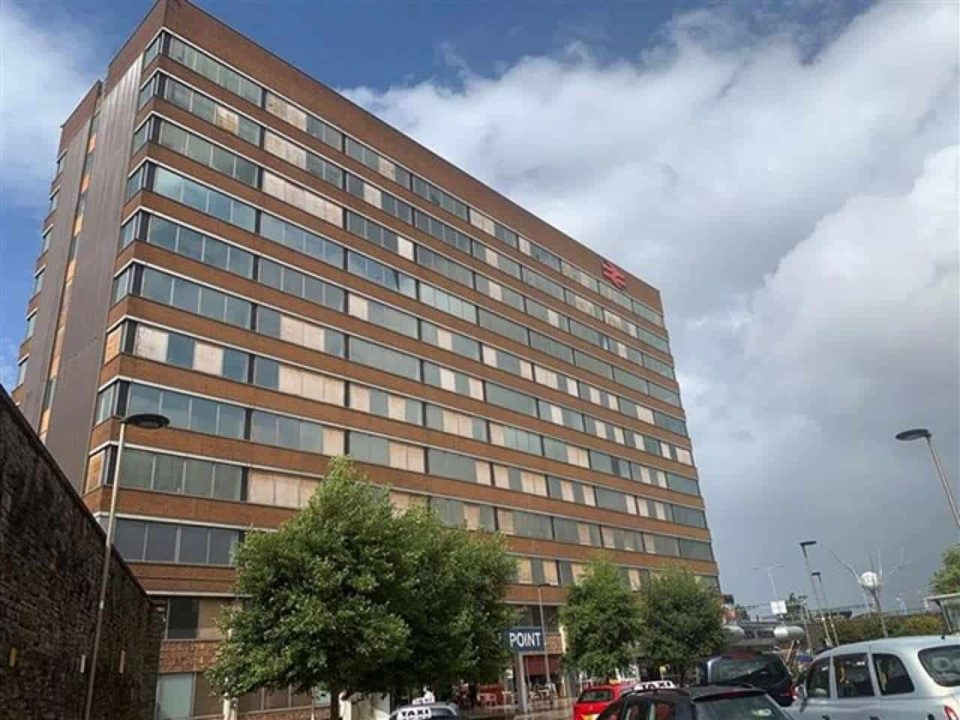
799	215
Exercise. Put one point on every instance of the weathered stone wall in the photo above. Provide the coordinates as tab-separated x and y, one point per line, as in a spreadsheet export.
51	550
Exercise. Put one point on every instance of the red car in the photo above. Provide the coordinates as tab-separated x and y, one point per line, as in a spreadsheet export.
594	700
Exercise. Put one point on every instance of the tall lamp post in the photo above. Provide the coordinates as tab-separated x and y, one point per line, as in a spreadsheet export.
918	433
543	629
145	421
816	595
826	603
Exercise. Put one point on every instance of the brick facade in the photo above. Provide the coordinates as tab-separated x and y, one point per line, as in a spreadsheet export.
50	561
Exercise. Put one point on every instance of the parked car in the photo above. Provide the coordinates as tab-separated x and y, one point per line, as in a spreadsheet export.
594	700
426	711
766	671
706	702
892	679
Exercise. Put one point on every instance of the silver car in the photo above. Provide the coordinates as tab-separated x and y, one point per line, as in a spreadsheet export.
892	679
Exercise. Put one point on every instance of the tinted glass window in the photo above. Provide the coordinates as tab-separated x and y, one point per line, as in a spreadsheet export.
734	708
892	676
595	695
852	675
942	664
759	669
818	679
182	618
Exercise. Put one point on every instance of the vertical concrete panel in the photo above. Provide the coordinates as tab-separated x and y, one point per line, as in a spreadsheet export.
75	399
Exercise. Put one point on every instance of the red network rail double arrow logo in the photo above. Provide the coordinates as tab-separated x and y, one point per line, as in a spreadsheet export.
614	274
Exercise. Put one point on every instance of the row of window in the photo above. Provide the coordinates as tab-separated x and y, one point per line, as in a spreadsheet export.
185	351
166	473
203	300
204	199
162	472
237	167
225	256
190	695
175	543
239	85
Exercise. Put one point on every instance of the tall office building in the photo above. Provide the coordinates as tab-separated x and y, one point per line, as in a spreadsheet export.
286	278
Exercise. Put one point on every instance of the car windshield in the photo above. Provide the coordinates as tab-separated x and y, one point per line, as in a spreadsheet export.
596	695
748	670
740	707
942	664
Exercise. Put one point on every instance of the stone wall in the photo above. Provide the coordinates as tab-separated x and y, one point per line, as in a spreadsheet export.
51	550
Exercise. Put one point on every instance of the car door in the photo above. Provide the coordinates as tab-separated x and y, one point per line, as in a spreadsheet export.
854	694
897	695
818	692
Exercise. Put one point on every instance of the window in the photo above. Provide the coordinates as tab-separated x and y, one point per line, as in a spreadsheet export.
382	358
296	238
22	371
209	110
38	281
551	347
448	303
381	274
202	248
892	676
502	326
438	197
695	550
182	618
941	664
215	71
451	465
852	676
454	342
611	499
443	232
689	516
444	266
206	153
204	199
369	230
174	696
683	484
511	399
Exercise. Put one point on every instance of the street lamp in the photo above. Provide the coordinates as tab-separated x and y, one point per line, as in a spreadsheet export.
144	421
826	603
543	629
816	595
918	433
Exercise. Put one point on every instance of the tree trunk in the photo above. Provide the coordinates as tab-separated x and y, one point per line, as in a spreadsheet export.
334	702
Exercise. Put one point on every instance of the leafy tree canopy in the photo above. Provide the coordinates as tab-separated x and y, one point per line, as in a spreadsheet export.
602	621
682	620
352	597
947	579
867	627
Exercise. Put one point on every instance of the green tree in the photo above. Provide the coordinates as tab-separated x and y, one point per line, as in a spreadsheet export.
947	579
351	597
602	621
867	627
682	620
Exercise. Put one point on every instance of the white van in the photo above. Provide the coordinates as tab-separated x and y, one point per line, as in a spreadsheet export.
893	679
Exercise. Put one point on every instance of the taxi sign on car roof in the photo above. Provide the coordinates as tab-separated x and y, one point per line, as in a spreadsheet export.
653	685
415	712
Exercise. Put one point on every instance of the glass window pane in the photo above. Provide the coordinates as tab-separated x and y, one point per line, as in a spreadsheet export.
234	365
129	538
203	416
161	542
136	468
168	473
182	615
174	696
227	482
222	543
193	545
198	479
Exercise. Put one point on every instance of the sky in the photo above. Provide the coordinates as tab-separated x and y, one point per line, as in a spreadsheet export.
786	173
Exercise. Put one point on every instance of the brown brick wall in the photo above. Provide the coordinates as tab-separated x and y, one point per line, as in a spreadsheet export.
51	551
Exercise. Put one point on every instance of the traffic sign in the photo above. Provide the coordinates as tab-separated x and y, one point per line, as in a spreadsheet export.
524	639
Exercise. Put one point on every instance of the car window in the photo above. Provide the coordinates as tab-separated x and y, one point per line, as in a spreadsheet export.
637	710
661	710
818	679
853	676
596	695
742	707
942	664
892	676
611	711
749	669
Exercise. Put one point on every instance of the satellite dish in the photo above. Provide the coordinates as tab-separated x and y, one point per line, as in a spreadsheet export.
870	580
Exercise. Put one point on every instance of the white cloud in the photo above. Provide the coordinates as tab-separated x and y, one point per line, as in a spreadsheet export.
44	72
799	216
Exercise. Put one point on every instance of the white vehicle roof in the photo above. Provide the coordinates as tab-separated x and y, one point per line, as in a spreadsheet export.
904	644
